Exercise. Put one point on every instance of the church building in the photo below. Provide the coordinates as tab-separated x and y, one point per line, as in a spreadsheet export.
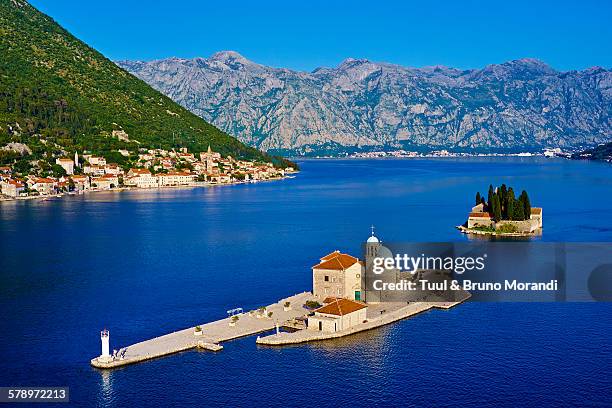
338	275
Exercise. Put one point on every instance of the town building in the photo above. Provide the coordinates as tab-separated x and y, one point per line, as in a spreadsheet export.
338	314
112	168
338	275
43	185
189	157
105	182
210	160
94	169
81	183
141	178
12	188
176	178
67	165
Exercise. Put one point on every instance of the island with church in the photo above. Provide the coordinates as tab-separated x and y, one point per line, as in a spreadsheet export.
340	304
502	213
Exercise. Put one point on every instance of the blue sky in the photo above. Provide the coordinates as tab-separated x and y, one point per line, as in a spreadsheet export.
307	34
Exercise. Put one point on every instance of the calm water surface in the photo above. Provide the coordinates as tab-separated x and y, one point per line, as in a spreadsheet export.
147	263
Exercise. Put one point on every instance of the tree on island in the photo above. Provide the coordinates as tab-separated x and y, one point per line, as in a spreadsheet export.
502	204
519	211
497	216
478	198
490	198
510	204
526	204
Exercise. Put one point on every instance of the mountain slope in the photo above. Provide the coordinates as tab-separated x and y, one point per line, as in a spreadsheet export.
362	104
58	93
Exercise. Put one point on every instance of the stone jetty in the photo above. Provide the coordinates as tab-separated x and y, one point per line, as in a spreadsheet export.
211	334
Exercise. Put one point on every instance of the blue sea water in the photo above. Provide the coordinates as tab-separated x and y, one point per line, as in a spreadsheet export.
144	263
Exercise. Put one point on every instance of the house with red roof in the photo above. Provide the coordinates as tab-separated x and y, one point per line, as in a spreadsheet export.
338	275
44	185
338	314
11	187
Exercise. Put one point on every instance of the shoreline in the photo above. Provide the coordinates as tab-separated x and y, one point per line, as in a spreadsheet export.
433	156
465	230
129	188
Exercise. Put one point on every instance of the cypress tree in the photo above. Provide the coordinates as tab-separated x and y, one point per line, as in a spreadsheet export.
490	199
526	205
503	196
496	208
478	199
510	204
519	209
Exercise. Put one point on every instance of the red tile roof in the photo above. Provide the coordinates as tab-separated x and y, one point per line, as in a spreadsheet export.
330	256
43	180
480	215
341	307
536	210
336	261
140	171
15	183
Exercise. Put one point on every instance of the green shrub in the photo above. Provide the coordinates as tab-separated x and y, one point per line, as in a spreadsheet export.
312	304
507	229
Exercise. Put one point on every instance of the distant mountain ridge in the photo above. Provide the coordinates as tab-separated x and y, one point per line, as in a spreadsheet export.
522	104
58	96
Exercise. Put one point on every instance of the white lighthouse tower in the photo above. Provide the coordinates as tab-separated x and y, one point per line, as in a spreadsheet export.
105	338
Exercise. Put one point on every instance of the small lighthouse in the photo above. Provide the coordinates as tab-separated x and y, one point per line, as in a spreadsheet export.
105	338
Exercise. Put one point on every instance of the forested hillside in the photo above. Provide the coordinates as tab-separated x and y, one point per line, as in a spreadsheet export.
58	96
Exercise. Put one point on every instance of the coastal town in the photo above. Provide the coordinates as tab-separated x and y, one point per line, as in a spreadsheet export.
443	153
340	304
155	168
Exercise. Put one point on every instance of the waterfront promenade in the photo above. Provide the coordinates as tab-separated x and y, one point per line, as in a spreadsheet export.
213	333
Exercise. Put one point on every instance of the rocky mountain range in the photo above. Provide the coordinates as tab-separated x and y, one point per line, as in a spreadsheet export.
360	105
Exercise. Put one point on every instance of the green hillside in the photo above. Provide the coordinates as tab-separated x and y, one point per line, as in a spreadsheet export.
58	95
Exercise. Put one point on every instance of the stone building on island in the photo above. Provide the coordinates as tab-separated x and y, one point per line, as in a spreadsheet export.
338	314
478	217
337	275
337	281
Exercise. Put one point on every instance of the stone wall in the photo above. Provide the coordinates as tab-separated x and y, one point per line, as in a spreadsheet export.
521	226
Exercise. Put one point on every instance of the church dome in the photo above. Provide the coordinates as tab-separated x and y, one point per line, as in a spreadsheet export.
372	240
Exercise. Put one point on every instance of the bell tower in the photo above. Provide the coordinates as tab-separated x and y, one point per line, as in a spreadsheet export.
372	249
